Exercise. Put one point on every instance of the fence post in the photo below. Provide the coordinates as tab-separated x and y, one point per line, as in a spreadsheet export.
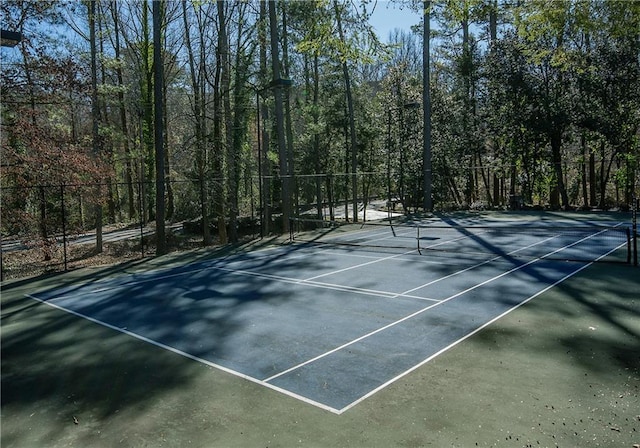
634	229
1	260
141	212
64	226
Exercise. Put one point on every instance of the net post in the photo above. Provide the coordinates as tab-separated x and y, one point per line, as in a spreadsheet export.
418	239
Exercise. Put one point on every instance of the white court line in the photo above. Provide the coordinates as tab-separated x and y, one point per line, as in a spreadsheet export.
392	324
416	313
188	355
359	265
453	344
474	266
397	256
332	286
272	277
377	260
204	265
312	402
404	294
498	257
302	398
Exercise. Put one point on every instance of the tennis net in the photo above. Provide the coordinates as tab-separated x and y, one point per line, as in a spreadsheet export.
580	242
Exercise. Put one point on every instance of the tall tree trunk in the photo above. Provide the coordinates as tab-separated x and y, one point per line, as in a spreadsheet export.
158	84
232	185
265	164
603	177
112	190
556	157
351	115
287	105
592	179
240	114
468	112
605	174
146	91
282	149
583	169
128	169
199	125
170	201
497	192
346	167
316	136
95	115
493	35
427	202
219	154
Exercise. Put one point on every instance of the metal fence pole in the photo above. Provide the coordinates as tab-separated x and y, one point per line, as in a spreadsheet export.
141	211
64	226
1	260
260	186
634	229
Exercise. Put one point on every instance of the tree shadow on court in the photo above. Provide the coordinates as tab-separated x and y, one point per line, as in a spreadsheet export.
604	295
591	319
57	367
89	274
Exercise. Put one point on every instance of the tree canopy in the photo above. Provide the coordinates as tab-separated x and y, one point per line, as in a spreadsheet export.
273	109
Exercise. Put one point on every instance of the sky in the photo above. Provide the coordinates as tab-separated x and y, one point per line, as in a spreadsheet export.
388	16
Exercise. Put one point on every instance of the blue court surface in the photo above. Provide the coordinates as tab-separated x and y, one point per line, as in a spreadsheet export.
326	325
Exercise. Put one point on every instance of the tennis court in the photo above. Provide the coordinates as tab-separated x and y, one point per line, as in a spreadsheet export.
331	324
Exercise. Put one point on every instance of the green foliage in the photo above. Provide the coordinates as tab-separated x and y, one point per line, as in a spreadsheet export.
507	112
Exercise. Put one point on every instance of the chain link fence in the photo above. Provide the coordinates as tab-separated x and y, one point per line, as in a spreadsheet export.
52	228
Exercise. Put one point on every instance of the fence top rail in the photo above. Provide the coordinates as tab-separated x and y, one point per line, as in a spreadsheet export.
100	184
324	175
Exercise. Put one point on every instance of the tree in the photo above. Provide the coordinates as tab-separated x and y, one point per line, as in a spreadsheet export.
45	153
95	111
427	204
351	116
243	160
158	99
530	99
607	74
196	72
285	175
128	174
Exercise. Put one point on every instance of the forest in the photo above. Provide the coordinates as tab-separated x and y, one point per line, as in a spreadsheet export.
236	115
